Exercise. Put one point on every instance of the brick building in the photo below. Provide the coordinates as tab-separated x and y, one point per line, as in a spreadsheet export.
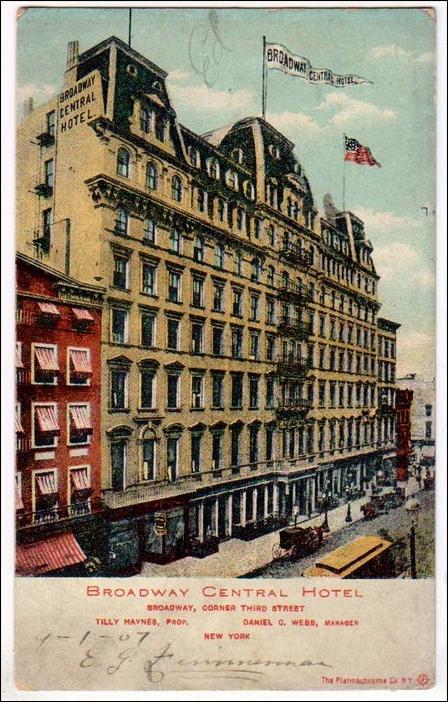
387	370
404	445
57	420
423	419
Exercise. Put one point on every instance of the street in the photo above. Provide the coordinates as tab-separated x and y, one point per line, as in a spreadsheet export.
396	522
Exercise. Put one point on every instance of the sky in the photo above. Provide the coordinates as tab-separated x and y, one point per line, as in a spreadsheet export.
393	115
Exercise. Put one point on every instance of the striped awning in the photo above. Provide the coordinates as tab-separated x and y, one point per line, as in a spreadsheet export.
19	501
82	315
48	308
80	360
80	478
46	482
46	418
45	556
19	363
46	358
80	416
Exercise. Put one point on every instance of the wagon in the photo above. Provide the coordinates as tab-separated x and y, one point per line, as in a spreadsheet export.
381	504
297	541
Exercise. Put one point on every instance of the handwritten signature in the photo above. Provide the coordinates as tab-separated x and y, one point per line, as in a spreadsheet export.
205	49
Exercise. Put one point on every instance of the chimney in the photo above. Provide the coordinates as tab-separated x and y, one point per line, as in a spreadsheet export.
28	106
72	53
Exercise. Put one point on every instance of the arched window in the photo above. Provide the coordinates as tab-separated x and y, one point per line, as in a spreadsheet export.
271	274
195	158
198	249
256	269
237	258
219	256
122	221
148	444
222	209
213	168
151	176
232	180
123	159
176	188
149	231
175	240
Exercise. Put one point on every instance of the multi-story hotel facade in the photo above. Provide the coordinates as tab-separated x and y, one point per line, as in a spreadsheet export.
240	328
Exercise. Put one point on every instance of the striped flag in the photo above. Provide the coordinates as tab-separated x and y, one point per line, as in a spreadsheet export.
357	153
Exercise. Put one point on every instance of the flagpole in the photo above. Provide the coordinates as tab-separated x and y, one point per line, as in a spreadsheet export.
264	88
343	175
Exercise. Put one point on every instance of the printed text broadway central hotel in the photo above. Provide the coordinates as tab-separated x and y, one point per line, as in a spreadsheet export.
240	333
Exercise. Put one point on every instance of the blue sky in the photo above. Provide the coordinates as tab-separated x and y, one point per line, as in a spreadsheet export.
394	48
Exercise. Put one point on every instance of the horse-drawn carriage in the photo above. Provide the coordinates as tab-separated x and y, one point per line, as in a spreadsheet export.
296	542
382	503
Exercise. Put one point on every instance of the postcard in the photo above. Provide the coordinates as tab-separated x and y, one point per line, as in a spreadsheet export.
225	348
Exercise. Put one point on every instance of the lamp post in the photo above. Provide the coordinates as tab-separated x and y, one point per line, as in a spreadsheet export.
349	491
326	495
413	507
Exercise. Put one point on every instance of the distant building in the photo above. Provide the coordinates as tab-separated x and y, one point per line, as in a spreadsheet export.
423	418
386	417
404	446
58	438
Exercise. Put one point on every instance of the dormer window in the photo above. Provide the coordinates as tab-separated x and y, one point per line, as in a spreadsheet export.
274	151
213	169
237	155
232	180
161	128
145	119
195	157
249	190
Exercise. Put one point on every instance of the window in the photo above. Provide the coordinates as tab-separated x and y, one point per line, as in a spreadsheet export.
151	176
256	270
174	286
216	451
123	159
118	456
232	180
341	360
428	410
148	278
237	390
80	488
196	439
235	446
218	297
172	453
197	337
253	443
222	210
172	391
45	425
253	392
46	223
350	395
45	366
175	240
217	340
237	261
173	334
237	296
119	388
270	393
122	221
201	200
46	496
80	423
240	218
119	325
51	123
213	168
253	307
49	173
176	188
332	394
254	351
160	129
270	311
197	387
147	329
428	430
217	390
145	119
198	292
271	235
147	379
321	357
149	456
219	256
322	393
198	249
120	273
237	343
270	348
341	394
79	367
149	231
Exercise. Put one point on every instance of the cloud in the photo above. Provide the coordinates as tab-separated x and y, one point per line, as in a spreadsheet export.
178	75
386	258
284	121
425	278
39	93
384	222
394	51
204	99
416	353
349	109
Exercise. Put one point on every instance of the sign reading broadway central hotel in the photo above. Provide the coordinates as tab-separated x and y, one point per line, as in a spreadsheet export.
80	102
279	57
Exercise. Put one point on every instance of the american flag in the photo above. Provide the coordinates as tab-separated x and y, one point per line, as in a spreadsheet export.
357	153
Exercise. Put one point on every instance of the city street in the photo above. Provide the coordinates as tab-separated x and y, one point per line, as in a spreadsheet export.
396	522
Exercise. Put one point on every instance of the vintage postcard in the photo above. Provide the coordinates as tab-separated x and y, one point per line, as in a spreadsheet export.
225	411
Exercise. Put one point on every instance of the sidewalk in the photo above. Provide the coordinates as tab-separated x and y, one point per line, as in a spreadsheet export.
237	558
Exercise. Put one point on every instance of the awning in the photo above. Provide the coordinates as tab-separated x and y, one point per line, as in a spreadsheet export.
46	483
46	418
19	427
19	501
82	315
80	478
19	363
45	556
80	361
81	417
46	358
429	452
48	308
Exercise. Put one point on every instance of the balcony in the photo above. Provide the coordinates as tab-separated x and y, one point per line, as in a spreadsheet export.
295	254
42	243
53	515
44	190
291	327
293	408
298	293
293	367
150	491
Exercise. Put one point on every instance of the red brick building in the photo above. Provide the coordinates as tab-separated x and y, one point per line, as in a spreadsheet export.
57	420
403	402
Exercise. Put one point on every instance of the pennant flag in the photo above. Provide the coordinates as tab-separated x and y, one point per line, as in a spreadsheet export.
357	153
280	58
